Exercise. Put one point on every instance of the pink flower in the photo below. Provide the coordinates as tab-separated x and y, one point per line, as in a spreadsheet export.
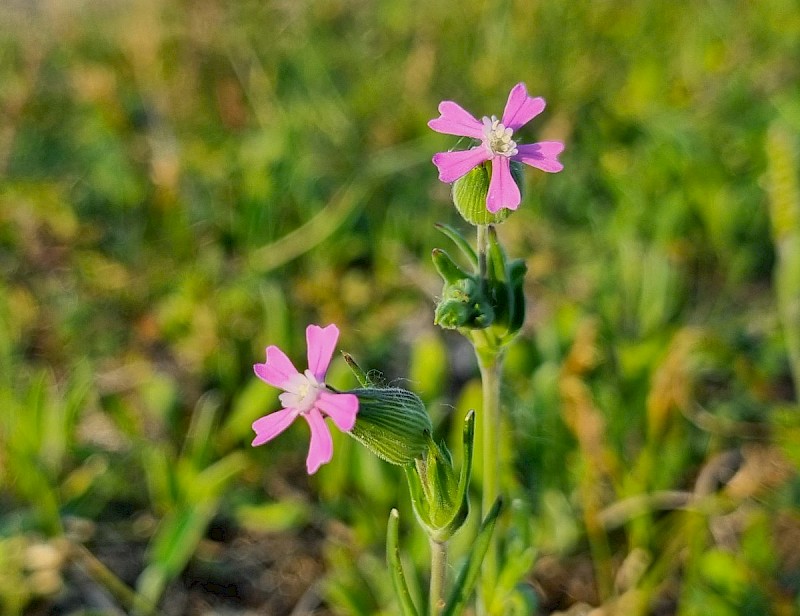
496	145
307	396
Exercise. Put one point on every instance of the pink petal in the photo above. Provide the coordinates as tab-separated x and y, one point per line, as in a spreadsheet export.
278	368
455	120
320	449
270	426
503	190
453	165
341	408
321	342
542	155
521	108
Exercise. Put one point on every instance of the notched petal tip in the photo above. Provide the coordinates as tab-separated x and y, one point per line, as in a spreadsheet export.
270	426
519	90
321	342
495	206
542	155
278	368
521	108
455	120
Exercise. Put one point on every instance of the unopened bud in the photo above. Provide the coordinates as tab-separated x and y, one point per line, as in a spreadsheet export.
439	495
463	304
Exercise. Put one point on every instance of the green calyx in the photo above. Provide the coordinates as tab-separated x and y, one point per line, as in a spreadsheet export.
439	495
469	195
392	423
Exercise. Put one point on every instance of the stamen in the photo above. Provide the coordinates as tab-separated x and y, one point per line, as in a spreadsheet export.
497	137
301	392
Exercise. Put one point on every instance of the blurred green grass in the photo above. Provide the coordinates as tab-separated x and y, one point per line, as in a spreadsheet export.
185	183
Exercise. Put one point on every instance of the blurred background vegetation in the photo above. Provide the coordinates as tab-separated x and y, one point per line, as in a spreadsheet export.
183	183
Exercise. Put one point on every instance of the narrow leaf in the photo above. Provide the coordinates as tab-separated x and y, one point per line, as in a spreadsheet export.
447	268
468	576
361	376
396	567
459	241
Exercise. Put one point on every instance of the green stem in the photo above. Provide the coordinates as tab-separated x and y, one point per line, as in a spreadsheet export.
489	362
490	366
438	576
482	243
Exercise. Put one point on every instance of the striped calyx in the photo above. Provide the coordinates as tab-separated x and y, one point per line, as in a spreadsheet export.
471	190
392	423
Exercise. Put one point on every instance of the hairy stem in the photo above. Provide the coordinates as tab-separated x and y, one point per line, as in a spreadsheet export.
489	362
490	366
438	576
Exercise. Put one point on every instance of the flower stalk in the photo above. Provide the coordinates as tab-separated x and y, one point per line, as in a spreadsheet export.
487	306
438	576
490	366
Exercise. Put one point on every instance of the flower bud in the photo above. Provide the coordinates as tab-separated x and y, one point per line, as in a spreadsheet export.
392	423
470	191
463	304
439	495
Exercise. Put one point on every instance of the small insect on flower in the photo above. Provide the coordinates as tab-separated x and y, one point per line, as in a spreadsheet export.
496	145
306	395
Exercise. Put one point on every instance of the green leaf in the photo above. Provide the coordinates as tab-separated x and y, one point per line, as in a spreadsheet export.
174	543
200	435
447	268
460	242
254	400
407	607
468	575
276	517
210	483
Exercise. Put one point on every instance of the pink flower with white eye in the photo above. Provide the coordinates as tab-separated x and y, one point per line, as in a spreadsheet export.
496	145
306	395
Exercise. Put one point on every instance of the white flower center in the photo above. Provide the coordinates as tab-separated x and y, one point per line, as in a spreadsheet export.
301	392
498	137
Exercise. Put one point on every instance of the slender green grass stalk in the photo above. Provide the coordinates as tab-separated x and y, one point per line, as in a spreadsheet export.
104	576
311	233
784	209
